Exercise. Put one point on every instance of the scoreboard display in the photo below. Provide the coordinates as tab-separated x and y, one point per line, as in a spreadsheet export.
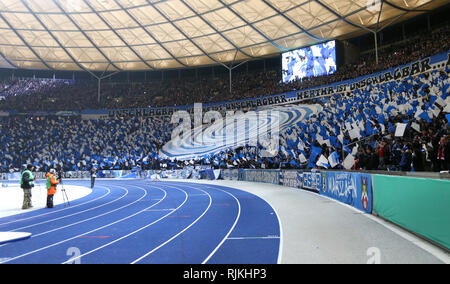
311	61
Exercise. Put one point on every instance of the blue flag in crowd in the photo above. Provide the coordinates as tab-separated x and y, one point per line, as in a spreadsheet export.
334	159
315	151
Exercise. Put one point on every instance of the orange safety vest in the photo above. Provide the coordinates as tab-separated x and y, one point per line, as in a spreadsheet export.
51	183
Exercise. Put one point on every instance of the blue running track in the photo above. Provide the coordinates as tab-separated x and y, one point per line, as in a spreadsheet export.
138	221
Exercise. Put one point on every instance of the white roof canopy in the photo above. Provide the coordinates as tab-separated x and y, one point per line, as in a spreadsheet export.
119	35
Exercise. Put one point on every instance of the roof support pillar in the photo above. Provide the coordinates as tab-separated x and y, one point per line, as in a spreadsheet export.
376	47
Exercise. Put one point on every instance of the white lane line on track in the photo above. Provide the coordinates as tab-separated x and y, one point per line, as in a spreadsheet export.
159	210
280	247
231	229
227	238
105	226
134	232
254	238
77	213
179	233
72	224
92	218
56	211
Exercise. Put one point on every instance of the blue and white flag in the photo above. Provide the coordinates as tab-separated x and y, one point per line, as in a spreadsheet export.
323	162
333	159
315	151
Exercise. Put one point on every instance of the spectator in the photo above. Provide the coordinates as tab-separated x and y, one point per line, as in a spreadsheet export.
443	154
406	160
418	159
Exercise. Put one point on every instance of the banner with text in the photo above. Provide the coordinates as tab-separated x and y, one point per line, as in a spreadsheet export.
355	189
313	180
291	178
266	176
435	62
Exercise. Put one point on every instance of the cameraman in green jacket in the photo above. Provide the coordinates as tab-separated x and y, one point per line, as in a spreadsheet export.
26	183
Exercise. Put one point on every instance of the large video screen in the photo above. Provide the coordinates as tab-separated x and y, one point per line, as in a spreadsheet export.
316	60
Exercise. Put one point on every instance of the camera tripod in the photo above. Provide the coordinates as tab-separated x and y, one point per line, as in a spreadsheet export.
64	194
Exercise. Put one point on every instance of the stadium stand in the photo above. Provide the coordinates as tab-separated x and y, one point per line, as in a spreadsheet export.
123	143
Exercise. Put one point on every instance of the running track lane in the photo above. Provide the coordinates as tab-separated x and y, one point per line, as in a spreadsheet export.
149	222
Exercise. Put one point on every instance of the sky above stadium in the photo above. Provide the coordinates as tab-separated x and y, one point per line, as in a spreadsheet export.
125	35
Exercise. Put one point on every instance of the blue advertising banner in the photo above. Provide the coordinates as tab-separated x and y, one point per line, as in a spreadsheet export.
209	174
230	174
313	180
266	176
300	179
355	189
291	178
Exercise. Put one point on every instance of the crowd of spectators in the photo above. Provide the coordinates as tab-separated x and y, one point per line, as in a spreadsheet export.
421	102
18	87
74	144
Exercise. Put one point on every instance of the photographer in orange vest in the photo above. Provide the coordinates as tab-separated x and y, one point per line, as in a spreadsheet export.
51	187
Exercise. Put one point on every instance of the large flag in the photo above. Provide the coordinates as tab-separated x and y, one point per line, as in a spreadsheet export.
333	159
315	151
302	158
415	126
381	119
322	162
400	129
349	162
424	116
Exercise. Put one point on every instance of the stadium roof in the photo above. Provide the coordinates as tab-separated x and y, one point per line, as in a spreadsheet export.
118	35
